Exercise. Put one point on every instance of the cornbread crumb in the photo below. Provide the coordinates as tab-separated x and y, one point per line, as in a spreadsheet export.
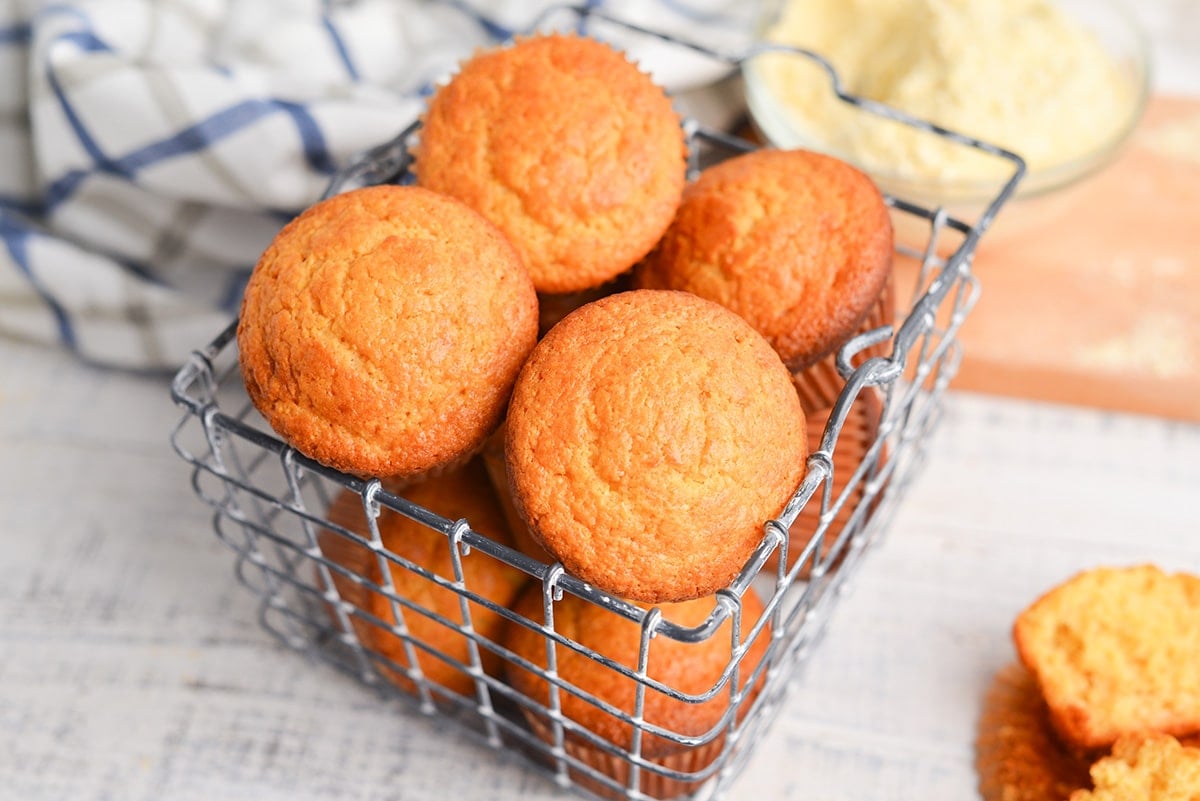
1152	767
1116	651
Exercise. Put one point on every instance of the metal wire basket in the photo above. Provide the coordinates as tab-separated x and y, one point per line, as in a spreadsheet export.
271	507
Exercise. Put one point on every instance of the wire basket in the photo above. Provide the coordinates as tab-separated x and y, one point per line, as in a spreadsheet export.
331	586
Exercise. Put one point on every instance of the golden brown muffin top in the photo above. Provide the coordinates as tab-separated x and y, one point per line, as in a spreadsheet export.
798	243
382	329
650	436
1115	651
690	668
567	147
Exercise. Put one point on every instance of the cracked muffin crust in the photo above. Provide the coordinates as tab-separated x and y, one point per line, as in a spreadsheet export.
383	328
567	147
798	243
650	436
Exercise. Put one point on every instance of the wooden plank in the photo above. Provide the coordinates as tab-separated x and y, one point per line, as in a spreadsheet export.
1092	296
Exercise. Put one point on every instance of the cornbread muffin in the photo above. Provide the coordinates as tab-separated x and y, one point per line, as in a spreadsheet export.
382	330
1017	754
690	668
346	510
650	436
820	383
798	243
1115	651
1154	767
461	493
858	434
566	146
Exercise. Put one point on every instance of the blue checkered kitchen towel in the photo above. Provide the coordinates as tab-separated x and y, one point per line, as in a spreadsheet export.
150	149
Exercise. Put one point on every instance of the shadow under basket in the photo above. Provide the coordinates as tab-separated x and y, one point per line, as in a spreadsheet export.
312	575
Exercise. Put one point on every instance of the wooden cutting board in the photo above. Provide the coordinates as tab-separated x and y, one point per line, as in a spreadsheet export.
1092	296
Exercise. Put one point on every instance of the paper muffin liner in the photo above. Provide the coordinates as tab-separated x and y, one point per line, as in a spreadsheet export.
1017	754
691	759
857	435
397	484
819	384
497	470
553	307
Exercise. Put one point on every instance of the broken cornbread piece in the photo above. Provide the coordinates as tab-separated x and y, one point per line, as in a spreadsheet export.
1153	767
1115	651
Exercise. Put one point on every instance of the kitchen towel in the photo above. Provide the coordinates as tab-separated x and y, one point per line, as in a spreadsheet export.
150	149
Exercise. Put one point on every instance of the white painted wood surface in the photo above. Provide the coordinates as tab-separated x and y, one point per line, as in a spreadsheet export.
132	666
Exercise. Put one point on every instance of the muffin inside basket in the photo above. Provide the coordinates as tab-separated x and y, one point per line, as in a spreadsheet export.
397	585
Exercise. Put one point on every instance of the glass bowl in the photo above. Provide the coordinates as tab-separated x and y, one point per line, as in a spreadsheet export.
796	98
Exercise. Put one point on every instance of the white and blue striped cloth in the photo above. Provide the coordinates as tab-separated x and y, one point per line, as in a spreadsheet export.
150	149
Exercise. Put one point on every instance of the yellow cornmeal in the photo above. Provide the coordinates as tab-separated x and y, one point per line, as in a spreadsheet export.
1016	73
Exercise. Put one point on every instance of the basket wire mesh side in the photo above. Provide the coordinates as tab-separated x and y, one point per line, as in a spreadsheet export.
270	507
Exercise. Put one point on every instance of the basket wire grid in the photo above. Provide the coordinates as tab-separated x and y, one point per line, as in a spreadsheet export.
270	507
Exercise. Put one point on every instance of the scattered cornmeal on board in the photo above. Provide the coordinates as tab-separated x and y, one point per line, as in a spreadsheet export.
1017	73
